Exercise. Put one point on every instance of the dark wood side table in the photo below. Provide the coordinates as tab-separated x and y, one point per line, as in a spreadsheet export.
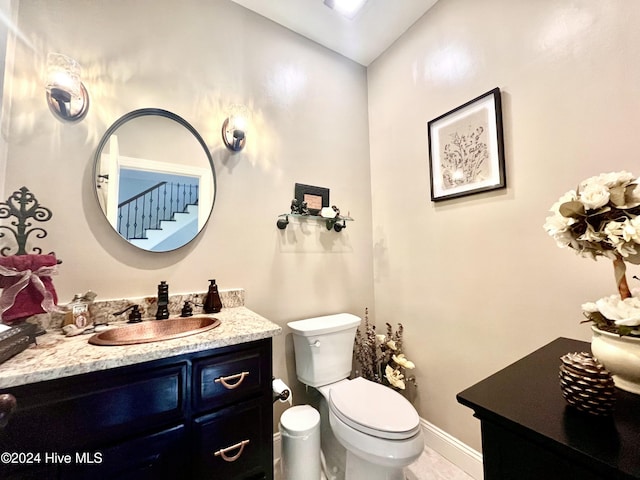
529	431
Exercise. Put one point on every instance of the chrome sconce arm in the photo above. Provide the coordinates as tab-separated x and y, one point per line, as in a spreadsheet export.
234	128
234	138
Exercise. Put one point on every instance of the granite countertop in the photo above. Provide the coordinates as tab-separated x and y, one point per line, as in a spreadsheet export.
56	356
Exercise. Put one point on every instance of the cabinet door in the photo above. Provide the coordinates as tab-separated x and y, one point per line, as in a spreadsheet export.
39	470
157	456
233	443
510	456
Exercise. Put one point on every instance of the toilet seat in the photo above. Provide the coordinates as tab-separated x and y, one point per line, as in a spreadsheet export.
374	409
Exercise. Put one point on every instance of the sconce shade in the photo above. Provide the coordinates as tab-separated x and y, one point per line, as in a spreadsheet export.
67	97
234	128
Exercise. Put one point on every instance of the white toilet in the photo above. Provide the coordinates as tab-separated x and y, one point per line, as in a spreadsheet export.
377	426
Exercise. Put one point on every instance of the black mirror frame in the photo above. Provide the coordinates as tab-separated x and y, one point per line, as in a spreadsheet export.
142	112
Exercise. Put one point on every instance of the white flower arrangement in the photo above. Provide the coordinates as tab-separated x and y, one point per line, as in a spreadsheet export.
380	357
601	218
614	314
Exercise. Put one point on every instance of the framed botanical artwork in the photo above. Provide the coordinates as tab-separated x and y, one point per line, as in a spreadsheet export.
316	197
466	149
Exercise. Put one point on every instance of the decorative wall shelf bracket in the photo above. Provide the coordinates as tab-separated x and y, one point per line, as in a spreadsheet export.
337	223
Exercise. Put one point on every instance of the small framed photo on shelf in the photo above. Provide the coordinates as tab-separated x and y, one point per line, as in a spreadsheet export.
466	149
316	197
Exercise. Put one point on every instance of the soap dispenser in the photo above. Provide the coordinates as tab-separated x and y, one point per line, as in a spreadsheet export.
212	303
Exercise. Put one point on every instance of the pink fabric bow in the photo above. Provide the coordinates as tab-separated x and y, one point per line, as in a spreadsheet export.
27	286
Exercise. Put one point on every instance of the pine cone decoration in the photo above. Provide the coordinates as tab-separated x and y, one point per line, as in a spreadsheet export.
586	384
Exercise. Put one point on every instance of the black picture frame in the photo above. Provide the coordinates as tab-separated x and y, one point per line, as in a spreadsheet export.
466	149
316	197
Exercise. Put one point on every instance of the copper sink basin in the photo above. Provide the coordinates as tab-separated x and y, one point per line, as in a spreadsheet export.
154	331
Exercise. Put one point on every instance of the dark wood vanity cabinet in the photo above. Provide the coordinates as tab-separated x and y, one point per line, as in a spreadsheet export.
530	433
201	415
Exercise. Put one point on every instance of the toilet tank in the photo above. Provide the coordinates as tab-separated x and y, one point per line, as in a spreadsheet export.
323	348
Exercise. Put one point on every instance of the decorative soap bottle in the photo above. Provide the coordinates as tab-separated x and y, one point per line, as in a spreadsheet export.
78	312
163	301
212	303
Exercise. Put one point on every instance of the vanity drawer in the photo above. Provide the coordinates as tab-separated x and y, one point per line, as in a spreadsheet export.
225	379
232	443
63	415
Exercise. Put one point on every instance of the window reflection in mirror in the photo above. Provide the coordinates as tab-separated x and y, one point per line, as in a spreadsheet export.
155	180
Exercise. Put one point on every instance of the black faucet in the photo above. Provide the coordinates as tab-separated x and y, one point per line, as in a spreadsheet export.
187	309
163	301
134	317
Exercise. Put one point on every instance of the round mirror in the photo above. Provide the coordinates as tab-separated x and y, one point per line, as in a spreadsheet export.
154	179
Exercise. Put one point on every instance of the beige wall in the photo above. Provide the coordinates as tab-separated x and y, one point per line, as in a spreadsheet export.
476	281
194	57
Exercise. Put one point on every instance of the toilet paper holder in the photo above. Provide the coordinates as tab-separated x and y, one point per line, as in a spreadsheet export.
280	394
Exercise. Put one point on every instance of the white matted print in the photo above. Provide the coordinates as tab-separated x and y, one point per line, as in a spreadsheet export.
466	151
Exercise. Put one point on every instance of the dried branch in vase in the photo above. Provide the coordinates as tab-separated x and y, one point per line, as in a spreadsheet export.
380	358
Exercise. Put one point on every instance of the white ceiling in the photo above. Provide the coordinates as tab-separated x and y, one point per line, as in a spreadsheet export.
362	39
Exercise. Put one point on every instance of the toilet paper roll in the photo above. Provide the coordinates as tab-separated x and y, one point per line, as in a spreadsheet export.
281	391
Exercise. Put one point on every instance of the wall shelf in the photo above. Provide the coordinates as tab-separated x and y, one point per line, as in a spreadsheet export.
337	223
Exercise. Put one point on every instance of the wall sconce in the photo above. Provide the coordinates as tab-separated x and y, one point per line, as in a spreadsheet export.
234	128
66	95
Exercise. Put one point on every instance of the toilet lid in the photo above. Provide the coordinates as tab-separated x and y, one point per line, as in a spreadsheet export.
374	409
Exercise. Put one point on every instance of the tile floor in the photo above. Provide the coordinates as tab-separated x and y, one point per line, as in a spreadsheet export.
430	466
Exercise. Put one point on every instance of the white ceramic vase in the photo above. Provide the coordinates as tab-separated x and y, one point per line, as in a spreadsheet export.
619	355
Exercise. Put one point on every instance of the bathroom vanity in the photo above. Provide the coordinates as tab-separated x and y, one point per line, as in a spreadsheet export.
193	407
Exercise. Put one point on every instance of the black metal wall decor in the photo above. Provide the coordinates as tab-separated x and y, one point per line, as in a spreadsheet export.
24	206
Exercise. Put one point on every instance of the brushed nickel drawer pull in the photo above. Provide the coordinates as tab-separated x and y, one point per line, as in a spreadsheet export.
230	386
223	451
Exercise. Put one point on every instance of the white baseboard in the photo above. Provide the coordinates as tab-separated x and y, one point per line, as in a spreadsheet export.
277	446
458	453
